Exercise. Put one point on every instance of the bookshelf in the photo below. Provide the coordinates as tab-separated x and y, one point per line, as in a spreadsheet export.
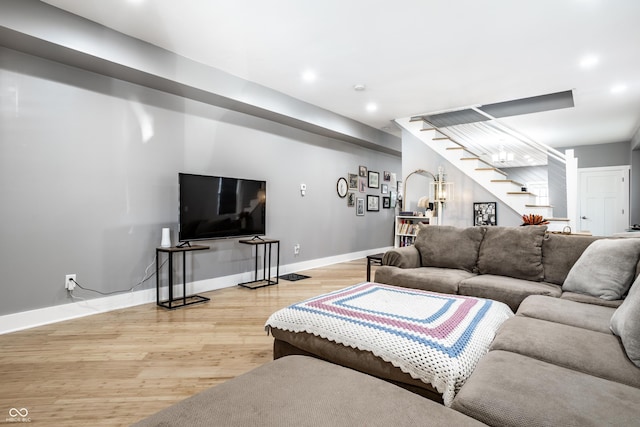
406	229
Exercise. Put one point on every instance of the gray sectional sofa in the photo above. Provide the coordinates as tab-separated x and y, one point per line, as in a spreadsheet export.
557	361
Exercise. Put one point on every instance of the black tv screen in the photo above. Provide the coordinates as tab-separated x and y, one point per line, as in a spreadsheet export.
216	207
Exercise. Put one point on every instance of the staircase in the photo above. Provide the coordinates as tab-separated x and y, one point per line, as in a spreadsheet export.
483	172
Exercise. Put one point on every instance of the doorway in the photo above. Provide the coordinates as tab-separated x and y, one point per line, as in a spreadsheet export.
603	200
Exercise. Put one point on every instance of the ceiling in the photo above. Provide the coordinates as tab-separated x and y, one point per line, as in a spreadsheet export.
414	57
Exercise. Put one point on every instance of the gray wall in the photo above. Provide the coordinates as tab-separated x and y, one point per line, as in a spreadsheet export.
89	167
417	155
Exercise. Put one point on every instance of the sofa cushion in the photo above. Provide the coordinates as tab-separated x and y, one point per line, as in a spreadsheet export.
512	251
299	390
508	389
505	289
588	299
443	280
625	323
449	247
583	350
605	269
587	316
560	252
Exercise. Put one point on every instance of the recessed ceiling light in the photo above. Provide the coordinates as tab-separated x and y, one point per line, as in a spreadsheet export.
619	88
589	61
309	76
371	107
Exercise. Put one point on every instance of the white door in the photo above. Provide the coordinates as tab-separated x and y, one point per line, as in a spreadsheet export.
604	200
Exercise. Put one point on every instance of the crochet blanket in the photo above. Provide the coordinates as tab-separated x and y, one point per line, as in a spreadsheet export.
436	338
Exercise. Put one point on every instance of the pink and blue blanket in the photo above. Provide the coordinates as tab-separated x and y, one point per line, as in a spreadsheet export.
436	338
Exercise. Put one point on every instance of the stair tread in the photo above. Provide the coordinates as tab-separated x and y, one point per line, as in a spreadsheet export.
469	158
538	206
558	219
441	138
426	129
521	193
492	169
508	180
455	148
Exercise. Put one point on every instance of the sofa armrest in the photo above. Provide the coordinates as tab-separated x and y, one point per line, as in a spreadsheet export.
405	257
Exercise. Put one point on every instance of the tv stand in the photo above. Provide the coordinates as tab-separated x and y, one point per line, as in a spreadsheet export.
184	300
266	264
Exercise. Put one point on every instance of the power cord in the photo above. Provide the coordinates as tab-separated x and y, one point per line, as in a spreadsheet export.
146	277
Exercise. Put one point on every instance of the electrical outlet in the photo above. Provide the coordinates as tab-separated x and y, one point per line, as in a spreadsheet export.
296	249
69	282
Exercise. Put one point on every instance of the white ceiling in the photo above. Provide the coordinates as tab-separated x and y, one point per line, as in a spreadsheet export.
414	56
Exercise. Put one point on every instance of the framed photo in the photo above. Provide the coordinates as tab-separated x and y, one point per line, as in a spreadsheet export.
393	196
353	181
485	214
362	185
400	187
359	206
351	199
373	203
384	188
386	202
387	176
374	179
362	171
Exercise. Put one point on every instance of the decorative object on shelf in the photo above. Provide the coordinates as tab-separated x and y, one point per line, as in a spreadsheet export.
374	179
533	219
440	191
386	202
166	238
342	187
373	203
423	202
384	188
351	199
485	213
362	171
353	181
359	206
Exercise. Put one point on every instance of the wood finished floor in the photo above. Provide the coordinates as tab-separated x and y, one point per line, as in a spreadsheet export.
116	368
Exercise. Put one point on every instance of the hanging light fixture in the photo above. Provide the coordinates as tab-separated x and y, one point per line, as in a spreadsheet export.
502	156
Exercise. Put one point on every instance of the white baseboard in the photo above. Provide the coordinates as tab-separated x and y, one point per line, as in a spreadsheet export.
58	313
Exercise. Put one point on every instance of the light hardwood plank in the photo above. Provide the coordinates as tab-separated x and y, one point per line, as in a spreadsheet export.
119	367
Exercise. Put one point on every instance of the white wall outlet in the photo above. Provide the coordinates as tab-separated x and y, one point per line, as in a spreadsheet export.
69	282
303	189
296	249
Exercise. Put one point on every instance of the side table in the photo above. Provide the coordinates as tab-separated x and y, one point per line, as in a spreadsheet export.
266	262
375	259
184	300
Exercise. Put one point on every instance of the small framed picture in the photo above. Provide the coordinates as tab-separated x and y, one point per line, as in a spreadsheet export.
353	181
373	203
384	188
351	199
374	179
393	195
386	202
485	213
359	206
362	171
387	176
362	185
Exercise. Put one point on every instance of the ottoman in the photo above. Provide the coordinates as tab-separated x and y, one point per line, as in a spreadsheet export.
304	391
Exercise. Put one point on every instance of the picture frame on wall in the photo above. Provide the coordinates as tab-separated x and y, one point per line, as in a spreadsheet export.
362	171
359	206
351	199
374	179
373	203
387	176
485	213
362	185
386	202
353	181
393	199
384	188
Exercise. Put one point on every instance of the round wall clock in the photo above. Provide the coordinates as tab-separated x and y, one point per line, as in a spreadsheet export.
342	187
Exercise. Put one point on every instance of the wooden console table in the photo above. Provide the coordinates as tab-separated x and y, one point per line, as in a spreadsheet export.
184	300
266	262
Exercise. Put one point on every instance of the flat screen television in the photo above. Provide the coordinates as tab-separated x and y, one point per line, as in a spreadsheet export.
216	207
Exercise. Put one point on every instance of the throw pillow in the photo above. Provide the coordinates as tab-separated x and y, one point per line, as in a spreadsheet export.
513	252
449	247
605	269
625	323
